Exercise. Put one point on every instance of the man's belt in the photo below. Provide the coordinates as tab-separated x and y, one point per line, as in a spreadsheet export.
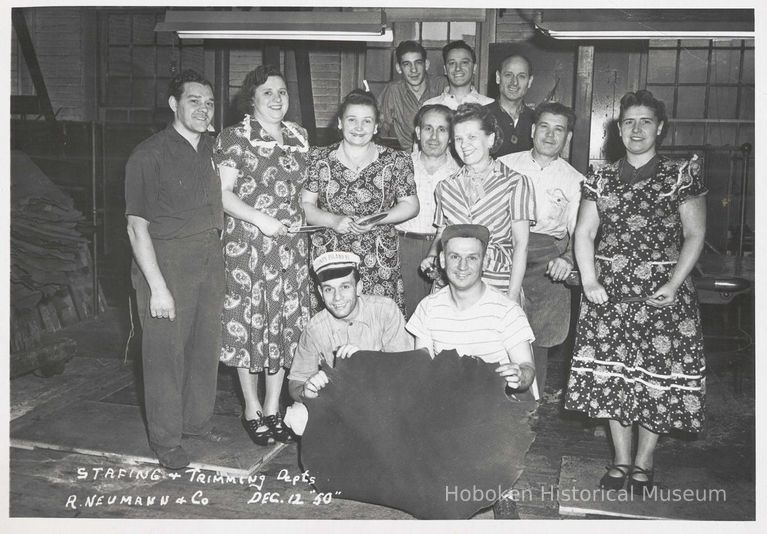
416	235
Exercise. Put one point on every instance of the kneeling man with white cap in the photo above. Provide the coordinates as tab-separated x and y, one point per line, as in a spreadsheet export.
350	322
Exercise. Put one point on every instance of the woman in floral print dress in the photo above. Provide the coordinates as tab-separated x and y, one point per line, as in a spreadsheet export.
262	162
353	179
638	356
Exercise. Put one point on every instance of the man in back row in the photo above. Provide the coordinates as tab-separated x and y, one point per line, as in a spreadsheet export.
460	68
514	77
400	99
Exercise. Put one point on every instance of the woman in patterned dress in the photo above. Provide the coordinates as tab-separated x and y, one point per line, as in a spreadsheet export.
638	356
486	192
261	162
353	179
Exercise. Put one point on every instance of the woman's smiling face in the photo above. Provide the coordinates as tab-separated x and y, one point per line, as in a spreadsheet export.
639	129
472	143
358	124
270	100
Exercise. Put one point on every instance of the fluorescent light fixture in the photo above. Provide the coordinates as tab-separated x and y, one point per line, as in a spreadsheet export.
366	26
655	24
589	35
386	36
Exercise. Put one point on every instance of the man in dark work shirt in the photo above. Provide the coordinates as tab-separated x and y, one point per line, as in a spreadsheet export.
174	211
514	77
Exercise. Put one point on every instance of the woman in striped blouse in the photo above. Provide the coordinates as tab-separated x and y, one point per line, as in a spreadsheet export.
486	192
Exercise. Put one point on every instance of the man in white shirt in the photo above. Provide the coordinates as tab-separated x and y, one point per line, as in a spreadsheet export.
460	68
432	163
557	187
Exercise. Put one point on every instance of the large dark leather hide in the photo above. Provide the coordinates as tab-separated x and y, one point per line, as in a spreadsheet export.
419	434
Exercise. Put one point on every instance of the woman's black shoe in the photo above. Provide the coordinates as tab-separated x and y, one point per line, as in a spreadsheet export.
637	487
614	483
279	431
259	437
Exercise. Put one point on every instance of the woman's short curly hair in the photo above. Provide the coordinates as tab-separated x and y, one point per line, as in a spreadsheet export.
487	121
255	79
643	97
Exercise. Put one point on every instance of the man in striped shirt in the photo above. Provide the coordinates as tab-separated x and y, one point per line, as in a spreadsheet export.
471	317
476	320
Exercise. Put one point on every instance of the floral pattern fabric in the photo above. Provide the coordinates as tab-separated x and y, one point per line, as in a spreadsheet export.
633	362
267	300
372	190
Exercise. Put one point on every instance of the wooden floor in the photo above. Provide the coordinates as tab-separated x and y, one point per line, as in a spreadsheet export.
61	484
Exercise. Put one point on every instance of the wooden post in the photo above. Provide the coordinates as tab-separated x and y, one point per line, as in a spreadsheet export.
35	72
271	55
221	87
305	93
487	33
584	89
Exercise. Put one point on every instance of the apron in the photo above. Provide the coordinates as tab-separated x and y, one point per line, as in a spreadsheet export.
547	303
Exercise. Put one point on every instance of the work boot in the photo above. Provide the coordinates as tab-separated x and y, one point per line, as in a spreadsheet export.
175	458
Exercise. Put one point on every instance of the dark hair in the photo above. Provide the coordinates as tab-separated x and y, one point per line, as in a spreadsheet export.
522	57
253	80
358	97
340	272
406	47
643	97
176	85
453	45
487	121
555	108
441	108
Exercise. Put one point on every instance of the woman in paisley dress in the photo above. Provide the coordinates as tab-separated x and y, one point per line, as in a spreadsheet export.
638	357
353	179
262	163
484	191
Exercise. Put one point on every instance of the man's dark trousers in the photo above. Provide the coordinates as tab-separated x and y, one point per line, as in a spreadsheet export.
180	358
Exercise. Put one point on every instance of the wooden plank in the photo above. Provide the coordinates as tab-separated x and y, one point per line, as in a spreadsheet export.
27	327
690	493
42	481
117	432
65	308
83	378
48	315
584	89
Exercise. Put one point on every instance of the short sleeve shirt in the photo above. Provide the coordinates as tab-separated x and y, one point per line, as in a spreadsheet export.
379	326
173	186
557	192
487	330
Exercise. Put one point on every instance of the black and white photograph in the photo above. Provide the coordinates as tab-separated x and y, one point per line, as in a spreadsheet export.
381	261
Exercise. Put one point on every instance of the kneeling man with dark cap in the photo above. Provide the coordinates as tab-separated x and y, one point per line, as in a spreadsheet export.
476	320
350	322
